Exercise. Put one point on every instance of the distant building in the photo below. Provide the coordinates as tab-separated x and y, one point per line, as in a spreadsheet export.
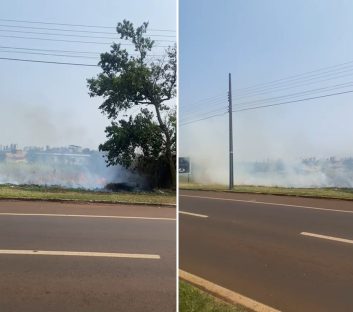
75	149
16	156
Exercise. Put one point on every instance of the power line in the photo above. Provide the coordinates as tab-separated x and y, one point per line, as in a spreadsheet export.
201	119
74	25
48	62
77	31
216	99
204	113
209	105
309	79
57	55
211	97
327	88
292	78
71	41
50	54
50	50
304	82
270	105
62	51
209	100
70	35
294	101
206	101
60	40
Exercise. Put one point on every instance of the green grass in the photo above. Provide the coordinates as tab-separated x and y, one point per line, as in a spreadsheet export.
335	193
192	299
57	193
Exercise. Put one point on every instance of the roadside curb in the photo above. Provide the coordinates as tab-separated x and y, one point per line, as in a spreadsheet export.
225	294
80	201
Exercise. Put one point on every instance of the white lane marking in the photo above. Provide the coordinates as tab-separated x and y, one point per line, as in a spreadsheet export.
338	239
77	254
81	216
267	203
225	293
193	214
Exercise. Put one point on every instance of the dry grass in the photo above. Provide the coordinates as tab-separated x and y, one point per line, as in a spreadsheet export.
57	193
335	193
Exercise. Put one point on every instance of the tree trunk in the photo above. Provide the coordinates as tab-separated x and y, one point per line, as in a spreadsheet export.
169	156
172	169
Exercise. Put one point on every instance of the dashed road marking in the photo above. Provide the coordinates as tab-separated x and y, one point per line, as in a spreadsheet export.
193	214
337	239
77	254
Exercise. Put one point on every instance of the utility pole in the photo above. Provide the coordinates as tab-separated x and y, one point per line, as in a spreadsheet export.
231	174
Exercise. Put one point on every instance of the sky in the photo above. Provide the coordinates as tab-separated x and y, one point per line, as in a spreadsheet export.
46	104
258	42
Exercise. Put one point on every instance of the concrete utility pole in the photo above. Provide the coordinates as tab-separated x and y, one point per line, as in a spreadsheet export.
231	174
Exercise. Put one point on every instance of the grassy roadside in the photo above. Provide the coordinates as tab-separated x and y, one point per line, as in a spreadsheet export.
57	193
334	193
192	299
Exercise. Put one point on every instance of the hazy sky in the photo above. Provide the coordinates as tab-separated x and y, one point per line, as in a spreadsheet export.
43	104
260	41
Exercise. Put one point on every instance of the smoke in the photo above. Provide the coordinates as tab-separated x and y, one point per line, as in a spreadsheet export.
50	124
62	167
311	172
264	157
323	173
40	125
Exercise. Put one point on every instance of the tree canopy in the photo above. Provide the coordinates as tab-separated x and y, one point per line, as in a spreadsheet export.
128	80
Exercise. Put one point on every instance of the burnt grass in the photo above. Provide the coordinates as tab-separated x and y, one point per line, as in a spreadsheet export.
108	189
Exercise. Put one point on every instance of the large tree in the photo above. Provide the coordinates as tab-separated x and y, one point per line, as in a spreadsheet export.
133	80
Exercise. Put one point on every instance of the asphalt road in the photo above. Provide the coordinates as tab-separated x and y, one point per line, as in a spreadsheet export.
73	282
255	245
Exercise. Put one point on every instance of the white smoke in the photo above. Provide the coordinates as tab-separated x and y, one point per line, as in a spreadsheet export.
260	159
87	171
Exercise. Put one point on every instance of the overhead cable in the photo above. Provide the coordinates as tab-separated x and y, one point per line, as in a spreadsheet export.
78	30
48	62
70	35
75	25
70	41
